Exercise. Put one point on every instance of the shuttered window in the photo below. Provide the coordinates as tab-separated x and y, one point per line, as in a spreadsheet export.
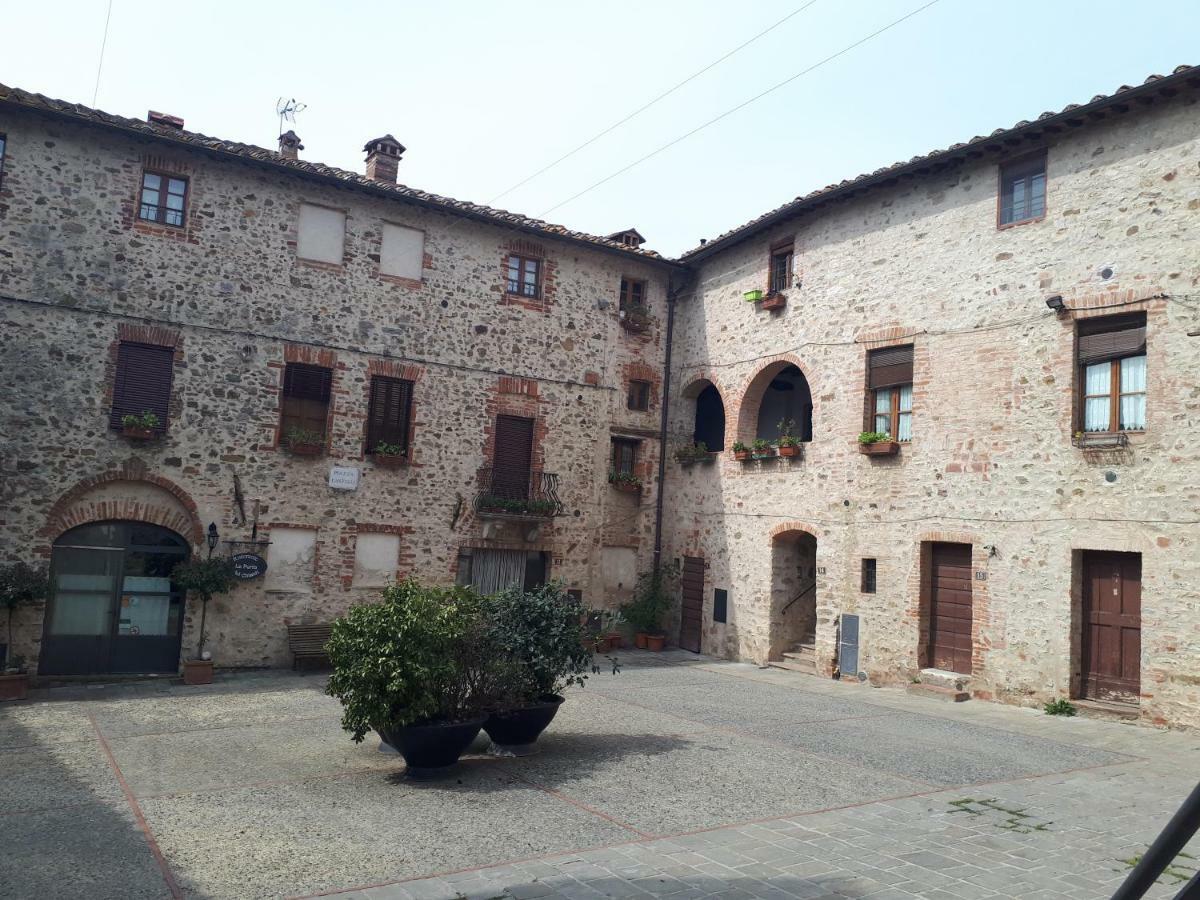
1111	355
305	402
142	382
512	457
389	413
889	377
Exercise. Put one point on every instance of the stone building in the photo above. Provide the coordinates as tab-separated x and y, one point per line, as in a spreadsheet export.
1016	317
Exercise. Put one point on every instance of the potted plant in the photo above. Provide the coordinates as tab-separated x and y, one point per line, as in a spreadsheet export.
789	444
877	443
140	428
653	599
635	319
775	300
625	481
204	577
752	296
20	585
304	441
419	668
761	449
693	453
390	456
740	451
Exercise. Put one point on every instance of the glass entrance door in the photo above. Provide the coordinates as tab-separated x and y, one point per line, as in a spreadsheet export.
113	608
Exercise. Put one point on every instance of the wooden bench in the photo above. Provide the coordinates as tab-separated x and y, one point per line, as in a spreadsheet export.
307	642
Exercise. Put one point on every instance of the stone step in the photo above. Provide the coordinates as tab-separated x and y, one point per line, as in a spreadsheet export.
808	667
936	692
1105	709
801	654
944	679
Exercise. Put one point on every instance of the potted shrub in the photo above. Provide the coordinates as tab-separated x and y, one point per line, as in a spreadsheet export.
419	668
304	441
20	585
626	482
877	443
761	449
740	451
774	301
390	455
635	319
752	296
789	444
140	428
203	577
653	599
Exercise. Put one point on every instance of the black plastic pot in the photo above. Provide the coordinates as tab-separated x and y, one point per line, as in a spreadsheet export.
521	727
430	749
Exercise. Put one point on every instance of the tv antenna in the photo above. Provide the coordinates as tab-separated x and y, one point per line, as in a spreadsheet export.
287	110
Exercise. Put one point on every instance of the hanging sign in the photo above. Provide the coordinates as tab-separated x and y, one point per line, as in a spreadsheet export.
248	565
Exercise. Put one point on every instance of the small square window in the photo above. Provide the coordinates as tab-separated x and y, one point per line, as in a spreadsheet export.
1023	190
868	575
781	269
524	276
163	199
639	396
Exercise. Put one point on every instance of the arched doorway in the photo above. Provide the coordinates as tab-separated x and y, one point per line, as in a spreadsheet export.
793	596
708	419
112	607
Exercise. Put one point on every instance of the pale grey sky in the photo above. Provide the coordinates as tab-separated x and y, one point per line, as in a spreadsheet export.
483	94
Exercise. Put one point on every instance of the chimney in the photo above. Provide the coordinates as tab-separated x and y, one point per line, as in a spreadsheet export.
157	118
289	145
383	158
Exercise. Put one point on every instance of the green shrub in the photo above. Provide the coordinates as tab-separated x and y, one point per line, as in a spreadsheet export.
1060	707
541	631
653	598
20	584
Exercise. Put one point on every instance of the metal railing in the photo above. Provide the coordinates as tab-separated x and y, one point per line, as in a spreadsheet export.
811	587
505	496
1183	825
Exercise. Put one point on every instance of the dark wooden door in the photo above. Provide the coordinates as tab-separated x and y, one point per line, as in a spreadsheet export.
950	608
1112	626
692	608
512	457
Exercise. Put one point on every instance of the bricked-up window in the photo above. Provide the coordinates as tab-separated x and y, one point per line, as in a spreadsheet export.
388	414
142	383
868	575
623	456
164	199
781	268
524	276
1111	354
639	396
633	294
304	406
1023	190
890	376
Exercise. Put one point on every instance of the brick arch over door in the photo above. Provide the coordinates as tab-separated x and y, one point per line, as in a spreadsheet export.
130	493
750	402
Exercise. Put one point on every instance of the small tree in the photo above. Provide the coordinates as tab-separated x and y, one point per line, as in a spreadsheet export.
20	584
542	631
204	577
653	598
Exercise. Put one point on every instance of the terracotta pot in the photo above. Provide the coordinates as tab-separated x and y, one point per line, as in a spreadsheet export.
299	449
774	301
741	455
197	671
627	487
614	640
880	448
137	433
14	687
793	450
391	460
655	642
639	640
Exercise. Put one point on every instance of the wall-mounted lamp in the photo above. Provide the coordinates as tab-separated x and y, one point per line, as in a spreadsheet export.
213	537
1056	304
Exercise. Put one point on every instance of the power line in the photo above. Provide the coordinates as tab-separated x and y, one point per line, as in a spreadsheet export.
742	105
100	62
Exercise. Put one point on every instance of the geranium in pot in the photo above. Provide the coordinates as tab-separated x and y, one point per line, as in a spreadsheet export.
653	599
789	444
203	577
740	451
420	669
20	585
761	449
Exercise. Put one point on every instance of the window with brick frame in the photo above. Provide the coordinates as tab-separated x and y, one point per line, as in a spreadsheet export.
868	575
304	404
623	456
142	383
1023	189
1111	356
389	413
633	294
163	199
639	396
890	391
781	268
524	276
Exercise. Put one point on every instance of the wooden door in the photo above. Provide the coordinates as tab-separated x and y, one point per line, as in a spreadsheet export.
692	609
950	608
1112	626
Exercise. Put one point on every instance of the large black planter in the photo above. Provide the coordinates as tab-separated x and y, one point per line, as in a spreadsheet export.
518	728
430	749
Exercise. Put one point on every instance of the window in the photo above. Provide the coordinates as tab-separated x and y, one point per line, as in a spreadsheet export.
720	604
142	382
623	456
639	396
3	139
890	375
868	575
320	234
633	294
524	276
1111	354
781	268
402	251
512	457
164	199
305	402
389	413
1023	190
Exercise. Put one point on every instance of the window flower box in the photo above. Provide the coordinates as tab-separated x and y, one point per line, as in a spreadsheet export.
774	301
740	451
1100	440
635	319
752	296
138	433
390	460
879	448
142	427
789	450
301	442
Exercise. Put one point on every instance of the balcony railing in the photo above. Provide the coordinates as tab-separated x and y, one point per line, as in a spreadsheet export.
1100	440
503	496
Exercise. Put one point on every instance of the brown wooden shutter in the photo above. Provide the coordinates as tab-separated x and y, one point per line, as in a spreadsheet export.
305	402
1111	337
388	412
891	366
142	382
512	457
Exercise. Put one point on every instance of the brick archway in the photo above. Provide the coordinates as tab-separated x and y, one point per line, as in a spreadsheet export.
750	401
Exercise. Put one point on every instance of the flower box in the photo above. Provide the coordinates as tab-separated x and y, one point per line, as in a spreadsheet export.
138	433
635	321
627	487
741	455
789	449
391	460
304	448
752	296
774	302
880	448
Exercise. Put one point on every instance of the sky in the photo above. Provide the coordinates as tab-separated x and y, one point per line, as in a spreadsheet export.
485	94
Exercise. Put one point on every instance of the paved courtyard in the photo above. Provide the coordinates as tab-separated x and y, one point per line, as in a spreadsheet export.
681	776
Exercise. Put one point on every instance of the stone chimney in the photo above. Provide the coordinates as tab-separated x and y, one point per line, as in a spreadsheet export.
289	145
383	158
157	118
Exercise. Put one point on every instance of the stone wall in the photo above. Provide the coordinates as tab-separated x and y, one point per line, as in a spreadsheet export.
991	461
